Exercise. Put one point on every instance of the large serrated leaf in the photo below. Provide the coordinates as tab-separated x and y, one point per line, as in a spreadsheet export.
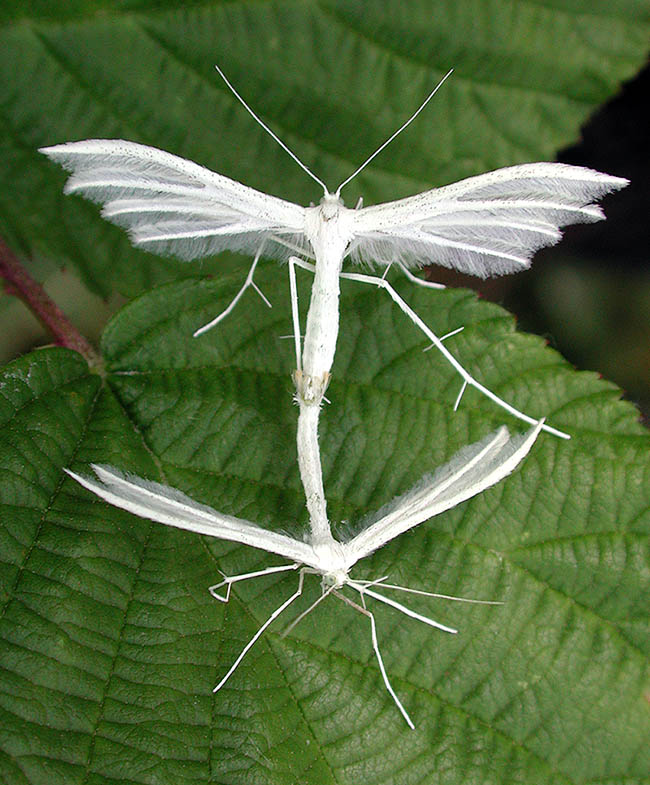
111	643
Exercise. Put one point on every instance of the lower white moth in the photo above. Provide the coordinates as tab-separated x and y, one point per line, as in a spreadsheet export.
470	471
486	225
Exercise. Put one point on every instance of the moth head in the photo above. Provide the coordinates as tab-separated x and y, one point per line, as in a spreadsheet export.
334	580
330	205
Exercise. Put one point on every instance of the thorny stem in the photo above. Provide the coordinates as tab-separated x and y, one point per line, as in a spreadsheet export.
19	283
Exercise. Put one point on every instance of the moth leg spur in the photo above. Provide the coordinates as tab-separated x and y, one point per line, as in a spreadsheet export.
468	379
249	282
229	580
266	624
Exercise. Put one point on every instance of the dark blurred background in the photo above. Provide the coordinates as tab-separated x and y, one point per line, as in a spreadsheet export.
589	296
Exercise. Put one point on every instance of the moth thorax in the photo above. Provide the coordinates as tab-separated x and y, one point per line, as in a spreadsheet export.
331	563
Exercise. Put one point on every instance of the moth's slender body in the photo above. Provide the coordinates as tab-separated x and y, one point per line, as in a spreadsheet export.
329	229
486	225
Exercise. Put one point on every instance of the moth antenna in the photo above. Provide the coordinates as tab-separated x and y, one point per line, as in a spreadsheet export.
364	590
383	585
380	660
270	132
399	131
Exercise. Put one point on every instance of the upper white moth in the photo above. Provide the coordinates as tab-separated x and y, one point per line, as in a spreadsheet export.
486	225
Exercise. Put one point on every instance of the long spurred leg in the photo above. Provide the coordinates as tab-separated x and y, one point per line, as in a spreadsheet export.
229	580
295	315
468	379
268	622
294	262
248	282
375	646
444	337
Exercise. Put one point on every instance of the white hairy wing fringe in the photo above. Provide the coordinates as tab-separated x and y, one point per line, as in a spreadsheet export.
486	225
170	506
173	206
471	470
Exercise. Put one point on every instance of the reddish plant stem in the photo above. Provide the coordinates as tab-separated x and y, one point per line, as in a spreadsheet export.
19	283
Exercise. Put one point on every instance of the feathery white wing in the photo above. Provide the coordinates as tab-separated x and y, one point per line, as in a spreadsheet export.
486	225
473	469
172	507
173	206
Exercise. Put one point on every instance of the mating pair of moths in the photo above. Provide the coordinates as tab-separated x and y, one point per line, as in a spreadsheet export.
486	225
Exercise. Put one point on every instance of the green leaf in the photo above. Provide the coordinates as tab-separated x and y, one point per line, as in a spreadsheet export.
112	644
334	78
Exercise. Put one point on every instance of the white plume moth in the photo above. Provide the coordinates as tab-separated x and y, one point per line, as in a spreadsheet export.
469	472
486	225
